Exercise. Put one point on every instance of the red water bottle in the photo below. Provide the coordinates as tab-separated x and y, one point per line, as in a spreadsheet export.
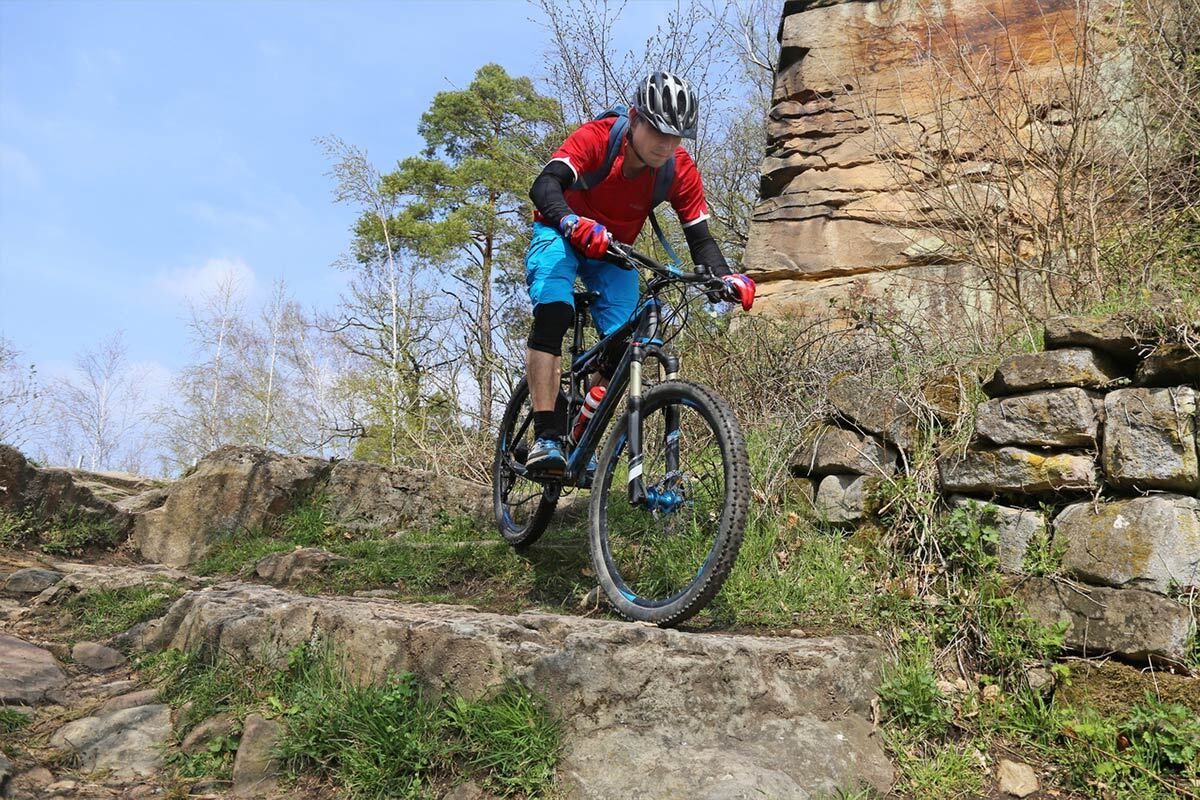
590	403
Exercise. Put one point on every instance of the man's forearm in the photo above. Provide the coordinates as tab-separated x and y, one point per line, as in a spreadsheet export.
547	192
704	248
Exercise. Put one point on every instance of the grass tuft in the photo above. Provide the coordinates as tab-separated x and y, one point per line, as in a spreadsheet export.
103	613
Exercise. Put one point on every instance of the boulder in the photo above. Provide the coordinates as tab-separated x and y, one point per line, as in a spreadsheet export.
143	697
843	498
113	486
875	410
1146	543
233	488
834	451
295	567
1016	528
53	494
146	501
363	496
1150	439
96	657
1072	366
686	710
1170	365
1058	418
127	743
254	769
31	580
1109	334
1014	470
1129	623
28	674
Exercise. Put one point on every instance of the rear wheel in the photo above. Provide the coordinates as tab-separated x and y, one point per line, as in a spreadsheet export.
523	507
664	559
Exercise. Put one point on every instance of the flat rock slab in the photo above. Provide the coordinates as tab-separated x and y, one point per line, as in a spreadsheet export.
127	743
1170	366
874	409
96	657
791	714
89	578
1129	623
1109	334
31	580
1072	366
254	770
1148	543
295	566
28	674
1015	470
838	451
1150	439
1058	418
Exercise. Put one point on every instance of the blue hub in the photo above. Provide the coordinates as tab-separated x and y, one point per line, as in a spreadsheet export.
665	500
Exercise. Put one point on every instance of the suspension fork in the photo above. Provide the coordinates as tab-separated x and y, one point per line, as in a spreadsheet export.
633	437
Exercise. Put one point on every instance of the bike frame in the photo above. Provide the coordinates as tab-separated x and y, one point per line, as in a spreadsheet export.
642	331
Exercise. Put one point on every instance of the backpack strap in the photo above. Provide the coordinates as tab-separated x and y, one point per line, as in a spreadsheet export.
664	176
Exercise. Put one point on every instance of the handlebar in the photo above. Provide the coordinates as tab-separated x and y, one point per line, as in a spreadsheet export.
626	257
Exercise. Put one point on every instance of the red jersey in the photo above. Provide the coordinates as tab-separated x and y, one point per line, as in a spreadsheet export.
621	204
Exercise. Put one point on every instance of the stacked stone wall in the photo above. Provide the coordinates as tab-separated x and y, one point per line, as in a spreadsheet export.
1086	454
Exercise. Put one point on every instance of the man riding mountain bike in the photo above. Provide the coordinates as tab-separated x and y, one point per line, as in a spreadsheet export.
584	198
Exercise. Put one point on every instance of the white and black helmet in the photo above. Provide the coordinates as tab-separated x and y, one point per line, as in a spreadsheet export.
668	103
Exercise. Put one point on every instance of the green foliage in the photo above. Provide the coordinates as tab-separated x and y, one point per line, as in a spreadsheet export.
15	529
1044	555
1165	736
12	720
942	773
70	535
102	613
389	740
67	534
213	761
909	691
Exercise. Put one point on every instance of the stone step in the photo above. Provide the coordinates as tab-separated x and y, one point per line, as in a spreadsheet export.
684	715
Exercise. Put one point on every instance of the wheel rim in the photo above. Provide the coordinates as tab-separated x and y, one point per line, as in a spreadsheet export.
518	498
658	553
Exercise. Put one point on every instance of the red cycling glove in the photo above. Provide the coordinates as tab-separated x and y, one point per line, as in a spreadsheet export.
741	289
587	235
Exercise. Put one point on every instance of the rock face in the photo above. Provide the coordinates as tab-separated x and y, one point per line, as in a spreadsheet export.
1017	471
366	496
46	494
1150	439
235	487
1146	543
878	155
1133	624
28	674
685	715
128	743
1062	418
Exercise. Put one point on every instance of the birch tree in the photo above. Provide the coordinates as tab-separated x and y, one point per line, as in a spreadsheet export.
22	400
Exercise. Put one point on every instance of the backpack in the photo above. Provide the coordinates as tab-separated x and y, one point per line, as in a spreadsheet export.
664	176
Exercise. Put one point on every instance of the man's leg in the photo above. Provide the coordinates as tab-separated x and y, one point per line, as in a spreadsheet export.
619	291
550	268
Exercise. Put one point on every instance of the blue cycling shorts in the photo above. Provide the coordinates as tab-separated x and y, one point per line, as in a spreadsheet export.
550	269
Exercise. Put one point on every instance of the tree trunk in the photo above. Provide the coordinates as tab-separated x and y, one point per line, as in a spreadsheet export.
485	322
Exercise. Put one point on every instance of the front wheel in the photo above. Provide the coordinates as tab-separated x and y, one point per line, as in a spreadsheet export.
665	558
523	507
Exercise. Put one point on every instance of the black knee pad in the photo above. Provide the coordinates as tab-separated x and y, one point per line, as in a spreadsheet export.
550	324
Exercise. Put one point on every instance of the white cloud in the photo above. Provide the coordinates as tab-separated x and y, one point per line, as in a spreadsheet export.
195	283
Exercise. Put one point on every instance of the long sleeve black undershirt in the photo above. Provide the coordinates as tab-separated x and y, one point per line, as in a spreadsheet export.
547	195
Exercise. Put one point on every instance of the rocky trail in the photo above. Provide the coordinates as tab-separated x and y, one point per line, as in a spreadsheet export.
643	712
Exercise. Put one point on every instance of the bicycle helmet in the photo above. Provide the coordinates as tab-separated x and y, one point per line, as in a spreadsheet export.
668	103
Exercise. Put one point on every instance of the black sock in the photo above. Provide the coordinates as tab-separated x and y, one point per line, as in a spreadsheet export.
545	425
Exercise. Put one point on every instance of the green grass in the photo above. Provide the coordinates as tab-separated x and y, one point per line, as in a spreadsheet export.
67	534
102	613
388	740
12	720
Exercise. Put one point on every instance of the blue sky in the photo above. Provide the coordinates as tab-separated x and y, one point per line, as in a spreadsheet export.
145	147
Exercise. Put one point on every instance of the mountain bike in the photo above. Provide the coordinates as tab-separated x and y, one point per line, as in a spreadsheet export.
672	484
